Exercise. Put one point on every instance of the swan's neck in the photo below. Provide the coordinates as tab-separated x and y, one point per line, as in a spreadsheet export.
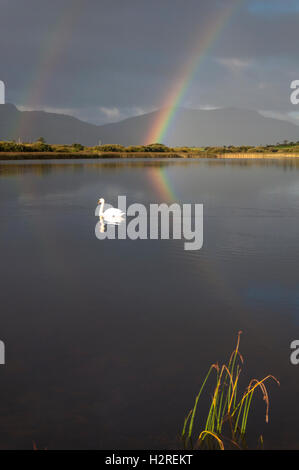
102	208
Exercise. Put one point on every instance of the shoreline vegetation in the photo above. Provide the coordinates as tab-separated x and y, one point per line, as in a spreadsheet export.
10	150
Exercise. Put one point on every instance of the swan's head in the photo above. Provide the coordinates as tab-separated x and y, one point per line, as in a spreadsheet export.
101	201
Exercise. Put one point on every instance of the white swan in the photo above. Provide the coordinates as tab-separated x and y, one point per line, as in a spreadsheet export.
111	215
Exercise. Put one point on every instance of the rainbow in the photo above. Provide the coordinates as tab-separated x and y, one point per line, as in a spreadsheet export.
178	91
52	52
159	180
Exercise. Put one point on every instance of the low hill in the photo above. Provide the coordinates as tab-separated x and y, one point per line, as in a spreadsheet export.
190	127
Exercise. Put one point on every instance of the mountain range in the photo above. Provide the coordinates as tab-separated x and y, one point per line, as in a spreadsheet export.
190	127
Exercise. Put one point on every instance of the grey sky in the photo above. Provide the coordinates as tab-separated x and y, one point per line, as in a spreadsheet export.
102	60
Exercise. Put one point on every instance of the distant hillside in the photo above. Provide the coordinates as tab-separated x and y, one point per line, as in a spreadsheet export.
205	128
55	128
190	127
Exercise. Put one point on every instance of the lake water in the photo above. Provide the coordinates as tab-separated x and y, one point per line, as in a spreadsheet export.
108	341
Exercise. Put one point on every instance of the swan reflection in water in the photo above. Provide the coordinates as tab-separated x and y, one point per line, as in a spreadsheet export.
110	216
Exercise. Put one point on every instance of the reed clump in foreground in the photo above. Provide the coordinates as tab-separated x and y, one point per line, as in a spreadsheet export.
226	423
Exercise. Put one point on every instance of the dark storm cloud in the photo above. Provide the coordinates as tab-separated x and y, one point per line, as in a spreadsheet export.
105	59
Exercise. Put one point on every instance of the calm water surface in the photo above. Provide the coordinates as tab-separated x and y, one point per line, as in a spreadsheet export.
107	342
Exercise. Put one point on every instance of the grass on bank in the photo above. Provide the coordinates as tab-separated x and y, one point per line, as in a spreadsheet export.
227	418
40	147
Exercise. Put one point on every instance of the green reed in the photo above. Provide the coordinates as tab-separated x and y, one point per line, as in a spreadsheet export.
227	419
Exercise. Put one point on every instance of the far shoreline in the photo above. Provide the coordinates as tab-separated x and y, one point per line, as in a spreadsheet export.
20	156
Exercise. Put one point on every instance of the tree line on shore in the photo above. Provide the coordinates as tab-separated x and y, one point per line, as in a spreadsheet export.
40	145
